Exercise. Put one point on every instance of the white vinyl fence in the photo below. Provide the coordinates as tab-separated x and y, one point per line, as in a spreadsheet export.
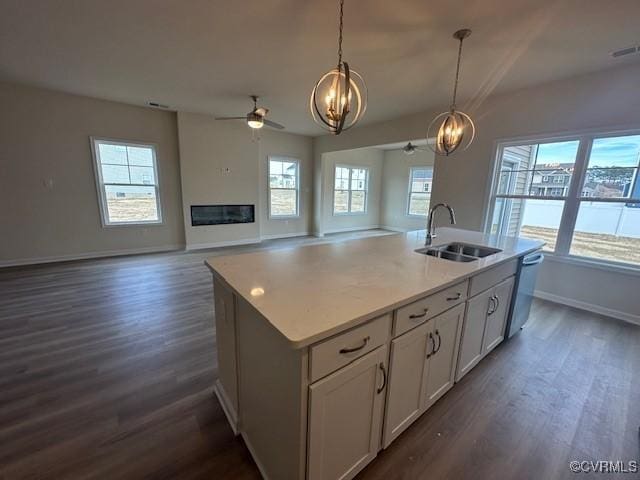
607	218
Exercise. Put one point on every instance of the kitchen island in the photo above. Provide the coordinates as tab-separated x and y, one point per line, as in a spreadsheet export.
326	353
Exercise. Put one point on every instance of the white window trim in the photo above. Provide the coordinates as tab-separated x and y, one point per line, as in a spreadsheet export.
366	190
281	158
100	186
409	191
572	199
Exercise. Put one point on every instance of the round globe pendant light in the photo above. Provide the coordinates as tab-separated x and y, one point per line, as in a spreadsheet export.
453	130
339	99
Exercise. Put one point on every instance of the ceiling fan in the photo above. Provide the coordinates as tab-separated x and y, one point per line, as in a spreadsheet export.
410	149
256	117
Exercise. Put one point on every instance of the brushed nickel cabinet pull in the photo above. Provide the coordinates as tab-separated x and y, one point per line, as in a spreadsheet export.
439	342
433	345
365	340
384	378
457	297
492	305
413	316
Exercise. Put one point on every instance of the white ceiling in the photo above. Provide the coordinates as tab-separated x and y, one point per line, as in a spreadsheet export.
207	55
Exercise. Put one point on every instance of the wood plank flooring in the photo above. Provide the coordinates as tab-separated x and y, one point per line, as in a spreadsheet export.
107	367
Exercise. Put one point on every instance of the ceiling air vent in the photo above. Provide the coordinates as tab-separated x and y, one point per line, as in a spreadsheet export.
625	51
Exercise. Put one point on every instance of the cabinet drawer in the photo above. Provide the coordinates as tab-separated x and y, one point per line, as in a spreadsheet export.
490	278
421	310
336	352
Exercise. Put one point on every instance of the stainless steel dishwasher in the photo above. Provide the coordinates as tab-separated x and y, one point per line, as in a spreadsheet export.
525	287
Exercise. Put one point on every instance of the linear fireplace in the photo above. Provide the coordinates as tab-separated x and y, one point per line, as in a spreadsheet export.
221	214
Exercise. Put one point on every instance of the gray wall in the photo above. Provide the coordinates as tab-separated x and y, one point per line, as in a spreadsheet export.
395	188
221	163
48	198
602	100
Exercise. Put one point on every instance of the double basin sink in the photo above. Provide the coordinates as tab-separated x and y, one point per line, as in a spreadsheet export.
458	252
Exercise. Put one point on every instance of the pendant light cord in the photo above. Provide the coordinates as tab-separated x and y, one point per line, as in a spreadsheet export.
455	84
340	35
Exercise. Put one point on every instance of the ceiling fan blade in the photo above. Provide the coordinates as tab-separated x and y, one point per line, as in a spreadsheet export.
231	118
262	111
273	124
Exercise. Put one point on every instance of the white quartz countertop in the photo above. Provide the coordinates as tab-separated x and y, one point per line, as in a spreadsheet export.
309	293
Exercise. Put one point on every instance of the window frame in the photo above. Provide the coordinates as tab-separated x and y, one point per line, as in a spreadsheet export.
100	184
367	177
410	191
283	158
573	199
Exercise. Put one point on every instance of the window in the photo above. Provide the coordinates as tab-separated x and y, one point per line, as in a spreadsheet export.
420	180
127	181
350	190
283	187
594	214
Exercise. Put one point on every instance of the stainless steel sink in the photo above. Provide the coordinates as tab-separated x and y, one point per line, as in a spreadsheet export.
471	250
458	252
454	257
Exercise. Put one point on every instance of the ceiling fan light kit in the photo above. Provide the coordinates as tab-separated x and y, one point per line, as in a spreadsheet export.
339	99
255	118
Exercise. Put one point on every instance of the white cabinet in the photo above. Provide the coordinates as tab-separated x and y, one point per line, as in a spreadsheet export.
497	315
484	325
447	329
422	369
407	369
345	417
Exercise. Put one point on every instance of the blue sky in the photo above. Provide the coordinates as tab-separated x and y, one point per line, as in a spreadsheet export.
606	152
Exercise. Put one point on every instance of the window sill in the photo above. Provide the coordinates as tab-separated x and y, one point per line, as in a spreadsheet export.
283	217
133	224
349	214
416	217
613	267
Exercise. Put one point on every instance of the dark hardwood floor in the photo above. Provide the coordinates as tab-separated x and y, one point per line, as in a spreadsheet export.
107	367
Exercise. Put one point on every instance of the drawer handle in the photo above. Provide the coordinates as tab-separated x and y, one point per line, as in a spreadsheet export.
413	316
365	340
457	297
439	342
384	378
433	345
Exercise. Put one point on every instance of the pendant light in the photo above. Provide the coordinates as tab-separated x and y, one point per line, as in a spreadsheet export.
455	129
339	98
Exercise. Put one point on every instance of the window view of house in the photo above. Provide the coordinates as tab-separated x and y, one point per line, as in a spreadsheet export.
283	187
350	190
420	181
534	183
127	182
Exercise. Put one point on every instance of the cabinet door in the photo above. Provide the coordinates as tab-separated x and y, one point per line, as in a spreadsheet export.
473	332
405	395
497	316
345	418
441	366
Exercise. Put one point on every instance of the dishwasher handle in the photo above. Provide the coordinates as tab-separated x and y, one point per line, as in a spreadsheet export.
532	260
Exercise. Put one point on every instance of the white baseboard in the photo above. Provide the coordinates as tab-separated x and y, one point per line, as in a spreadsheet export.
351	229
590	307
89	255
396	229
227	243
284	235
